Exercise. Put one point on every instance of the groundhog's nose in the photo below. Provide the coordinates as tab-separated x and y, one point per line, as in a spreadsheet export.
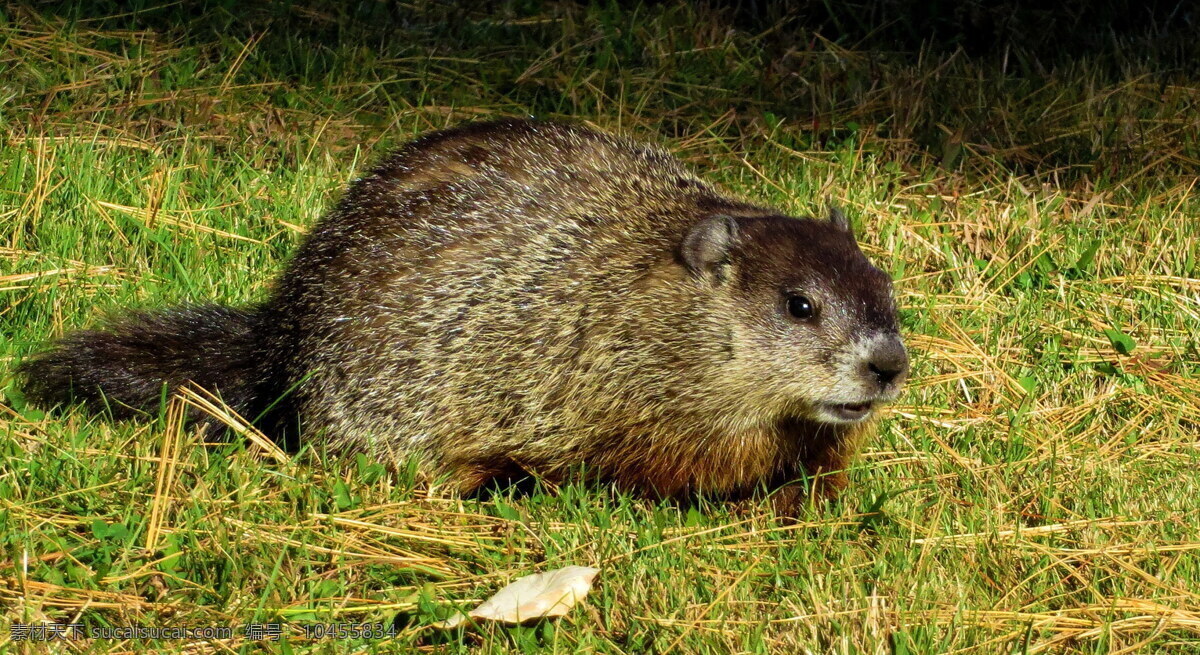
888	361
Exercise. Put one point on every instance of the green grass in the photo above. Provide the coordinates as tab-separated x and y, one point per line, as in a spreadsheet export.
1035	489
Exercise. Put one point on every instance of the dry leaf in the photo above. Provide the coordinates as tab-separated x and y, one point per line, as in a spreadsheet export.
532	597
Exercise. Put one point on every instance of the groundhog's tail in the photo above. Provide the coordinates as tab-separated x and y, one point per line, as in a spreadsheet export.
123	367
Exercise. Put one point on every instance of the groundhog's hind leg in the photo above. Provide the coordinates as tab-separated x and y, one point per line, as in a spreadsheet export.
473	478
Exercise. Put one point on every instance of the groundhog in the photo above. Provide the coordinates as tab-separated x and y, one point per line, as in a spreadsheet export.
538	297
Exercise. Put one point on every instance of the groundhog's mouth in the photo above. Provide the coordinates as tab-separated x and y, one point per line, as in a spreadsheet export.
848	411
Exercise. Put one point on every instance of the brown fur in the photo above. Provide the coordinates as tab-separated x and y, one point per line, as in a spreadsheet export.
541	296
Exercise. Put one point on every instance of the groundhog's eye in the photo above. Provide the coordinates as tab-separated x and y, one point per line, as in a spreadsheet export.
801	307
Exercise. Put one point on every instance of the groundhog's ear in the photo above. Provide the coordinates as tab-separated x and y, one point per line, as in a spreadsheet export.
705	249
839	219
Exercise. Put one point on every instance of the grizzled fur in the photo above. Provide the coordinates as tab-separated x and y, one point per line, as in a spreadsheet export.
526	295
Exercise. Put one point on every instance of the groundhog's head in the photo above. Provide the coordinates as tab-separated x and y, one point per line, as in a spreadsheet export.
812	322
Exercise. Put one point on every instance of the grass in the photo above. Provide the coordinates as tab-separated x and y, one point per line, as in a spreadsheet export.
1034	491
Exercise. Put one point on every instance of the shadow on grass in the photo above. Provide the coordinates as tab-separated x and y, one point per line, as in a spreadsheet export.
1079	91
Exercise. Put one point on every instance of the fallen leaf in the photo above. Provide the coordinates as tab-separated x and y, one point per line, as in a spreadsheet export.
533	597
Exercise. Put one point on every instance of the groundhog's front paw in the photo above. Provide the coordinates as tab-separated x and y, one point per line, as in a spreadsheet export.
788	500
830	485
